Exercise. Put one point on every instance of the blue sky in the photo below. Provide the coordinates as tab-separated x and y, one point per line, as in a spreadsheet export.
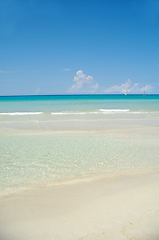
79	46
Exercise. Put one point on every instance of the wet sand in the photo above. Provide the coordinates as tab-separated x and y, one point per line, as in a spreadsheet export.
118	208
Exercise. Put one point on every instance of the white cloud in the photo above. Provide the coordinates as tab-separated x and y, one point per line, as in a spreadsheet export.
147	88
37	91
127	88
83	83
123	88
67	69
95	86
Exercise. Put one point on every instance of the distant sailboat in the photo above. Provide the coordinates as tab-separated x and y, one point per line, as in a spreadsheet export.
144	93
125	93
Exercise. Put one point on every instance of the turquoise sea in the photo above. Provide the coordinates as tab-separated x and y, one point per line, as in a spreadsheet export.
78	103
50	139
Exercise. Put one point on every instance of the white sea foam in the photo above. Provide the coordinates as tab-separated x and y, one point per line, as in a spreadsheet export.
114	110
22	113
100	111
67	113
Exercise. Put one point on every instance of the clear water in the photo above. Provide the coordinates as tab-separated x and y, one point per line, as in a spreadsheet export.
78	103
50	139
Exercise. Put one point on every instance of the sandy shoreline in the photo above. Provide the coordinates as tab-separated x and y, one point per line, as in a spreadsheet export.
123	207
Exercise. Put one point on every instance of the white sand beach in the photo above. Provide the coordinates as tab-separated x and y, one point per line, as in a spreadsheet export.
118	208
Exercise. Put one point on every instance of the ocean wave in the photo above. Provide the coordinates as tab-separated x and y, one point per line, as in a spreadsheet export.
100	111
87	112
21	113
114	110
68	113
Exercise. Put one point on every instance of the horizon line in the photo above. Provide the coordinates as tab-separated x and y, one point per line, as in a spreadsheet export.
80	94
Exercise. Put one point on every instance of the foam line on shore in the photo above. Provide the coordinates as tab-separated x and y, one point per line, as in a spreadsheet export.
114	110
21	113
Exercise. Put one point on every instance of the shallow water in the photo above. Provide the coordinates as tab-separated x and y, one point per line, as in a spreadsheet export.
42	149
